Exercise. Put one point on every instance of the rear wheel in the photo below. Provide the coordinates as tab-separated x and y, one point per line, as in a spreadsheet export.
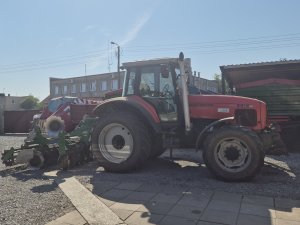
233	153
158	147
120	142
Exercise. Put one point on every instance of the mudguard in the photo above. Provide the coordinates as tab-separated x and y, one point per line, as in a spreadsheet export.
132	103
201	135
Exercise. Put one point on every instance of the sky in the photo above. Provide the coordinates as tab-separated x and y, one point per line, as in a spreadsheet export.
69	38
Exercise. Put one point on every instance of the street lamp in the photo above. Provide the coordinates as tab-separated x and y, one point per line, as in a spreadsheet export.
119	76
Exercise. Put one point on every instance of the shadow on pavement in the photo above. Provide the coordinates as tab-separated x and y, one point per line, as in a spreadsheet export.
182	191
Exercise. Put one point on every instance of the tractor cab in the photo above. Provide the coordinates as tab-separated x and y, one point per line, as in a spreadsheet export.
155	81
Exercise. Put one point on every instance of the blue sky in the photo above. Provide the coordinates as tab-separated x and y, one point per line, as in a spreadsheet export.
57	38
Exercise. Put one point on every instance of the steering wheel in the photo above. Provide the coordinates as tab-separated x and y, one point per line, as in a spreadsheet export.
165	88
165	92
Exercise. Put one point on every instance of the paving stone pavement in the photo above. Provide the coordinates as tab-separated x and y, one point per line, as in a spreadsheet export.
138	204
71	218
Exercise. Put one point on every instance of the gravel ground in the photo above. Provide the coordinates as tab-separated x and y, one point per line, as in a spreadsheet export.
28	197
280	176
6	142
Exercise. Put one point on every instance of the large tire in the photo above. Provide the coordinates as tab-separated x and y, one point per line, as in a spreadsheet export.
120	142
233	153
157	148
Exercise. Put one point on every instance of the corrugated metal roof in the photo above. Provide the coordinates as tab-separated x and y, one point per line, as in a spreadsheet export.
241	73
271	63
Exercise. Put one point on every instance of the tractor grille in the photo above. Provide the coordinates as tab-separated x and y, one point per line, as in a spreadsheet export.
246	117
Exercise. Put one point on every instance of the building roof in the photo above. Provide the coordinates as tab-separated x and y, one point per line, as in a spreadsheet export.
280	62
241	73
80	77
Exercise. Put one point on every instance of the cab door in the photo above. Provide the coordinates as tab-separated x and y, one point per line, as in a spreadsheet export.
156	87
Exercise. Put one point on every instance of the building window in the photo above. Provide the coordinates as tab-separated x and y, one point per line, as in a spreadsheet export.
73	89
83	87
114	85
93	86
56	90
65	89
104	85
213	89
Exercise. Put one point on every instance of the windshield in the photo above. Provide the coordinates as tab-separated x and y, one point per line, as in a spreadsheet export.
155	84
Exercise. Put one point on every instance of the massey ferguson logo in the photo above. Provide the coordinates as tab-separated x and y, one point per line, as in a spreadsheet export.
223	110
244	106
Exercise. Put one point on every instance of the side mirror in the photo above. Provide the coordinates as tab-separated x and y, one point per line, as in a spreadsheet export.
164	70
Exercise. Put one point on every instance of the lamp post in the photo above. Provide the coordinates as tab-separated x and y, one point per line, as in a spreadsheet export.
119	77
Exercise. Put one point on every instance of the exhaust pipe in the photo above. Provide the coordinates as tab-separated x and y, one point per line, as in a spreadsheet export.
185	100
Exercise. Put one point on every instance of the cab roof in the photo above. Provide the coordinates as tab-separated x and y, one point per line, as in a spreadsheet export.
151	62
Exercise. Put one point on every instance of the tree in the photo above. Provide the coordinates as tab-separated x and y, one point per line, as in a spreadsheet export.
30	102
217	78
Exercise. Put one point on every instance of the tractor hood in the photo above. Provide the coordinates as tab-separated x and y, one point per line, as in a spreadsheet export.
221	106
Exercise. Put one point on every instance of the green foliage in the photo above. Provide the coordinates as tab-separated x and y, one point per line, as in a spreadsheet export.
40	105
30	102
217	78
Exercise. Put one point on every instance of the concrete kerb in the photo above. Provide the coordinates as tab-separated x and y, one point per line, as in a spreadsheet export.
88	205
71	218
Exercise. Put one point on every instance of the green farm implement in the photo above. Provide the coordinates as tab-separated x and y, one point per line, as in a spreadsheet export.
67	149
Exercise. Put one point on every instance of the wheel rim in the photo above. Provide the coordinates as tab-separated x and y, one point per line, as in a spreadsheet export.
232	154
115	142
37	160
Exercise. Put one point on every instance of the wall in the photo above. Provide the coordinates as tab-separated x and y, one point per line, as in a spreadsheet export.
13	102
18	121
7	104
2	107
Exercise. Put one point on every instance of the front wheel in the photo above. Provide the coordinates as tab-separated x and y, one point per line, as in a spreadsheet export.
120	142
233	153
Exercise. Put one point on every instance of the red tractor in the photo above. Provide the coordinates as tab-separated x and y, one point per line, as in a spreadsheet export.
156	112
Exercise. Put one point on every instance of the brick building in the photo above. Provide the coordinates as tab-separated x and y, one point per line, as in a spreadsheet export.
86	86
205	85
